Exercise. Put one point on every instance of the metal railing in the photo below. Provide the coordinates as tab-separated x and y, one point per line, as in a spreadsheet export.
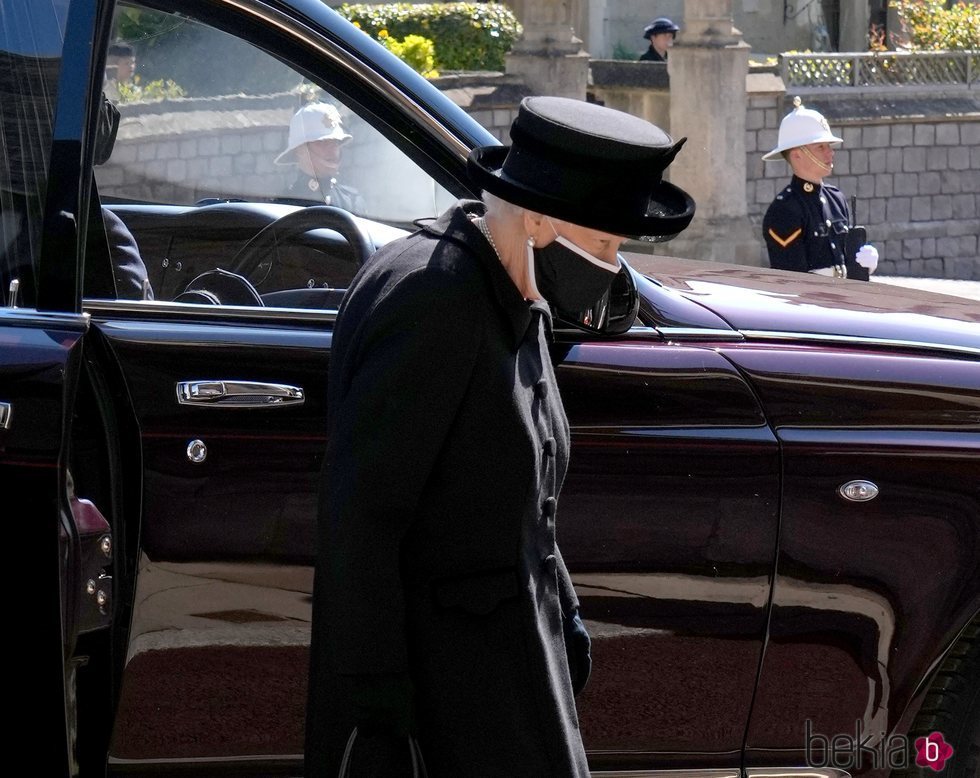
881	69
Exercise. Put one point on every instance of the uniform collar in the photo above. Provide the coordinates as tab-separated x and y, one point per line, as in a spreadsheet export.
456	225
805	187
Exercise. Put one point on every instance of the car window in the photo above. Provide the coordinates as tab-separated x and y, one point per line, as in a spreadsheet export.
31	40
217	139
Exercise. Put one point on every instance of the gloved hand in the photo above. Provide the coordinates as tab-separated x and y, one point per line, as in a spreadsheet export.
384	704
578	649
867	256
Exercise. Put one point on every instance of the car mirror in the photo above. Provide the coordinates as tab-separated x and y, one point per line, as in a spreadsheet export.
612	314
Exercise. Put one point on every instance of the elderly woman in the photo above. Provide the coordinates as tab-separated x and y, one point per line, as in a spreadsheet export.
442	607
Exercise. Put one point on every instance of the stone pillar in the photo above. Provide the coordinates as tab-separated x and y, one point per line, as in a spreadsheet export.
708	66
855	18
548	57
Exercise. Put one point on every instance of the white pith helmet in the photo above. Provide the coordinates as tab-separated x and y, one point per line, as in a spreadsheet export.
801	127
312	122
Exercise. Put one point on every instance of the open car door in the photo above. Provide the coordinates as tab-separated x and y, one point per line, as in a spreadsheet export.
45	52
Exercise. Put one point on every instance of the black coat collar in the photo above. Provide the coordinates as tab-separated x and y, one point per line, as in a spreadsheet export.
456	225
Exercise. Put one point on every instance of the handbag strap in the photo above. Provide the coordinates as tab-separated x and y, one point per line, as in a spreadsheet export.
415	755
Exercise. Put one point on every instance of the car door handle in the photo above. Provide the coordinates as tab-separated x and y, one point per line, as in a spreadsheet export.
238	394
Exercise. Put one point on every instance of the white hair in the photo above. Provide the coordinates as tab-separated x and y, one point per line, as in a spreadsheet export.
500	207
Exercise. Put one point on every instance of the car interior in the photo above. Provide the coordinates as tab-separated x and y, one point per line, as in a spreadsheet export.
196	181
213	213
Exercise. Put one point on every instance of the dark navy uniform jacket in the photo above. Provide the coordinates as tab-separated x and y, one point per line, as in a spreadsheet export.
806	227
306	190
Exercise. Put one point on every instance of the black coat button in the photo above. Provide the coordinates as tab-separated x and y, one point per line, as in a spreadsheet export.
550	447
550	564
541	389
549	508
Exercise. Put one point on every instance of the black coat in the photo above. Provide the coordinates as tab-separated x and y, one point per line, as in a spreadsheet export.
127	264
437	551
652	55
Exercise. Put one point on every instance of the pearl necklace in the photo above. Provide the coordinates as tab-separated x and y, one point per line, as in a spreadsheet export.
481	224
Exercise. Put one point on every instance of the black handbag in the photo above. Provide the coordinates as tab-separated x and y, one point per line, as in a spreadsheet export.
414	754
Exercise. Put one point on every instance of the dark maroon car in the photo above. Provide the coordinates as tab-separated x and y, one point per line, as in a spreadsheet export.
773	510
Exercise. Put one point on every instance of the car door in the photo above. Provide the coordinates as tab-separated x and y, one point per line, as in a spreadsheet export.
44	56
877	569
668	523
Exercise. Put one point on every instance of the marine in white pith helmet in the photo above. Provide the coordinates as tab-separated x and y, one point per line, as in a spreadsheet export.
312	123
801	127
316	137
808	226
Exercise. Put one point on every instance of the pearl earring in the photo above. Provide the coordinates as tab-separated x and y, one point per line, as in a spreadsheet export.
530	241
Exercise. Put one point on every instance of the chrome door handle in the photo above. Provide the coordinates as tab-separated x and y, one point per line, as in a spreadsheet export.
6	411
238	394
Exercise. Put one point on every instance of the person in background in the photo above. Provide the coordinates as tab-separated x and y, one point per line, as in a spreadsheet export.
316	140
443	613
661	33
119	69
806	226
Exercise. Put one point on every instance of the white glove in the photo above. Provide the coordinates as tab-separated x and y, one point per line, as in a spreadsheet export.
867	256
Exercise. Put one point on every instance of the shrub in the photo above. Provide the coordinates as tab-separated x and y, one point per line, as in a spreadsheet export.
929	24
152	90
623	52
416	51
467	36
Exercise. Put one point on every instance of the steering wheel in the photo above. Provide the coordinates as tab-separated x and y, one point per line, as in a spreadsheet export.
220	287
294	224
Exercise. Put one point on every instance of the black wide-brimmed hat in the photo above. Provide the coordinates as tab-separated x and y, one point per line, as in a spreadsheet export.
659	26
589	165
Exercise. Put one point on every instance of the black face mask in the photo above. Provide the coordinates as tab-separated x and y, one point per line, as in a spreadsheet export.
569	278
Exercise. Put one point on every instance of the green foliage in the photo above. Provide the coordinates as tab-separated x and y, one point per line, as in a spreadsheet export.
148	27
416	51
624	52
467	36
152	90
929	24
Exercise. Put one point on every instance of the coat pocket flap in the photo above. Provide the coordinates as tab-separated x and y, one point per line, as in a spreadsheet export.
479	593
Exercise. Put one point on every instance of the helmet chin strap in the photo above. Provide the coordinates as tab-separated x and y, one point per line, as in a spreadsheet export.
822	165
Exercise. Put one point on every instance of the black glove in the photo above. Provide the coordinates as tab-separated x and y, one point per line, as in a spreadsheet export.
383	704
578	649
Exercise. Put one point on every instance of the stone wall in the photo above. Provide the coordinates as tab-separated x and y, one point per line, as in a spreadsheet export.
180	151
491	98
912	161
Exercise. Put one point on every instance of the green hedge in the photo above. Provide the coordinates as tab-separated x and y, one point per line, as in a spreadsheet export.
467	36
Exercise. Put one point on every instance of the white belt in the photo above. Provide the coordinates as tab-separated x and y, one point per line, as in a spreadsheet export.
837	271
